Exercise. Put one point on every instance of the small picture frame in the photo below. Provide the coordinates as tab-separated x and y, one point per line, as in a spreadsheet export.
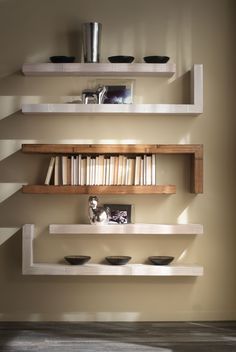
119	213
117	91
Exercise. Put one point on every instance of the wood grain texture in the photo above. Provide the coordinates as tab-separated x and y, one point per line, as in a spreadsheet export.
195	151
51	189
142	229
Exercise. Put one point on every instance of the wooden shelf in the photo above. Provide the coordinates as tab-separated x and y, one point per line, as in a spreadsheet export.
31	268
139	229
110	149
45	189
195	151
195	106
99	69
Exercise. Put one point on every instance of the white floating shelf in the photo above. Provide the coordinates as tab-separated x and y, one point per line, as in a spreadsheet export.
112	270
99	69
142	229
31	268
194	108
175	109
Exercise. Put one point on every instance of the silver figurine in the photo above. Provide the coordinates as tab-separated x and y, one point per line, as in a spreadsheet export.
98	215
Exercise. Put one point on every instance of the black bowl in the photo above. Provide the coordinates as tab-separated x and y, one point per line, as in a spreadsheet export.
161	260
121	59
77	259
156	59
118	259
62	59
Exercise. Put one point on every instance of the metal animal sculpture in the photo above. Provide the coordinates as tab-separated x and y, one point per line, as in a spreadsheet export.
98	215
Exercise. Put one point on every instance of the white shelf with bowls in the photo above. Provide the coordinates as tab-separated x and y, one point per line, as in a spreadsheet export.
31	268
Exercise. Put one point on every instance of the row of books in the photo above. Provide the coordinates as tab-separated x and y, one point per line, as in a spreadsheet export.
102	170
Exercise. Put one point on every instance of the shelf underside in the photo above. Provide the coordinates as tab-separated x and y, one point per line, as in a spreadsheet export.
50	189
142	229
99	69
113	270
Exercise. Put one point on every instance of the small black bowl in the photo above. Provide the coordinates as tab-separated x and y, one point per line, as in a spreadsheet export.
156	59
62	59
161	259
121	59
118	259
77	259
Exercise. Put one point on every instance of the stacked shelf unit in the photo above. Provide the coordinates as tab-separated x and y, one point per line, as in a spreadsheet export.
194	151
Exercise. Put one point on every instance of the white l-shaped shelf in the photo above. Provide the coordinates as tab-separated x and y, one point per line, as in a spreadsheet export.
99	69
127	229
31	268
194	108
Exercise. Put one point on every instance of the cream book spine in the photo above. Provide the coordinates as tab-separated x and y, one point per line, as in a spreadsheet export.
64	170
50	171
56	171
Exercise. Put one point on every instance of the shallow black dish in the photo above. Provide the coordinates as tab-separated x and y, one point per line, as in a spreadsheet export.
77	259
156	59
122	59
62	59
161	259
118	259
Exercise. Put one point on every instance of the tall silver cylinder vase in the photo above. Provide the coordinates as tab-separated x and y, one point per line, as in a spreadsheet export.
91	41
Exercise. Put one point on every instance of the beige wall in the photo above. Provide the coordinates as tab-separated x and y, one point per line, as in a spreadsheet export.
189	31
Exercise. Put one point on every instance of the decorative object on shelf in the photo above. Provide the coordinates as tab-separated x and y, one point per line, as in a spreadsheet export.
119	213
91	96
98	215
156	59
121	59
161	260
77	259
91	41
118	259
118	91
62	59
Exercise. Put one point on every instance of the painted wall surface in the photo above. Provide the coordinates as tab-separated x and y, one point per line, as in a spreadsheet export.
189	31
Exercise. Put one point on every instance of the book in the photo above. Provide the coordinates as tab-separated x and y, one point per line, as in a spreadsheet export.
112	171
137	170
57	171
64	170
50	171
120	169
83	172
88	158
153	169
69	170
148	170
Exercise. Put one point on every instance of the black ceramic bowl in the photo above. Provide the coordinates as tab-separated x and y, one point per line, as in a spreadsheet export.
62	59
77	259
121	59
156	59
161	260
118	259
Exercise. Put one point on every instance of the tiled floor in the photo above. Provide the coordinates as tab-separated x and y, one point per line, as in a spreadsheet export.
116	337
